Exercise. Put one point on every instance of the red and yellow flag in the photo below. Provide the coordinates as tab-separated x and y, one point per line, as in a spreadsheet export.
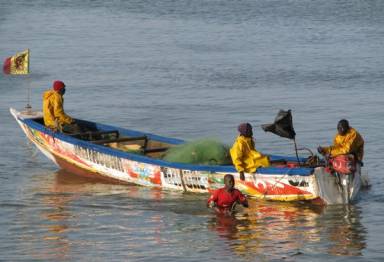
17	64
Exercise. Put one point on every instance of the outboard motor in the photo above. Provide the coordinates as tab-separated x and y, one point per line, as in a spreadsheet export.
340	182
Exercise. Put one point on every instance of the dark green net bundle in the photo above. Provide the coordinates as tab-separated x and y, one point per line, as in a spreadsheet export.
203	152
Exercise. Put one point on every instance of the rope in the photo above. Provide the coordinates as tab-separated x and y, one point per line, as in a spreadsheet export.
297	155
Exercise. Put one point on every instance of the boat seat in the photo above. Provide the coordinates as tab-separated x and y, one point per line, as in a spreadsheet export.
121	139
155	150
95	135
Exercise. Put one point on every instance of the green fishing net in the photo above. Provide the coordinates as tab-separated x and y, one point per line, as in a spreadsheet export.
204	152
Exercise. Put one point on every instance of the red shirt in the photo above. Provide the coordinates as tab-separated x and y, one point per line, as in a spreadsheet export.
225	199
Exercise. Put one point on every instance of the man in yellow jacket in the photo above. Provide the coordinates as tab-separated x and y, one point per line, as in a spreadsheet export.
346	141
244	155
53	111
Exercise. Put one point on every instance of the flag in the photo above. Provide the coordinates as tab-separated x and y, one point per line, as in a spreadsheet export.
282	126
17	64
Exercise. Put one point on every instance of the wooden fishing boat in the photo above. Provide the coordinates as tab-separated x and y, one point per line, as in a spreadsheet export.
106	152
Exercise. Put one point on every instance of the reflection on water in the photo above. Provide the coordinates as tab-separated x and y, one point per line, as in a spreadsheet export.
291	229
59	199
76	211
57	226
346	233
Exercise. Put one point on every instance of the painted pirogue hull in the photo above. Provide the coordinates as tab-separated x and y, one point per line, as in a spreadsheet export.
93	160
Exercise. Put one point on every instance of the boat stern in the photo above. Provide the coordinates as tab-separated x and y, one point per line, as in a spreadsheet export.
337	188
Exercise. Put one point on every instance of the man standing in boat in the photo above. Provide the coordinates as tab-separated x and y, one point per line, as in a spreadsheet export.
53	111
346	141
244	155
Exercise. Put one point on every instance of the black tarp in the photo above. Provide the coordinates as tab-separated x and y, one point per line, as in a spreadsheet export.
282	126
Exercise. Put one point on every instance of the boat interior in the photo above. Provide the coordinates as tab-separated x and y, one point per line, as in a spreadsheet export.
141	144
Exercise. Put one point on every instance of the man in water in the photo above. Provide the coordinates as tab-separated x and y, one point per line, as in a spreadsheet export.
53	111
224	198
244	155
346	141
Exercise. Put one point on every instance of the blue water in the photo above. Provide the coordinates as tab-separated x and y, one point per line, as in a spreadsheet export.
191	69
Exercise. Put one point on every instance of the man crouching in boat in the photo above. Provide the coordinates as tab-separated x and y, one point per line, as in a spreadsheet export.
244	155
53	112
223	199
346	141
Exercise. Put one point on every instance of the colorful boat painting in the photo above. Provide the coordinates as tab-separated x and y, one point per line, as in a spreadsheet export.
108	152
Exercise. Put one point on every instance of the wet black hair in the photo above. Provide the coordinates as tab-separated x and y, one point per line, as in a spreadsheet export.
343	126
344	123
227	176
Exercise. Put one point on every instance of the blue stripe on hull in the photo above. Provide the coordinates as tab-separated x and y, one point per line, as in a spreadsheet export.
139	158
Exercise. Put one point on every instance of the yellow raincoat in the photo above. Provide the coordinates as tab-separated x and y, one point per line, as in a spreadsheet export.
245	157
350	143
53	111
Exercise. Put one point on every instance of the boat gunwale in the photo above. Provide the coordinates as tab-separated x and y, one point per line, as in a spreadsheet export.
295	171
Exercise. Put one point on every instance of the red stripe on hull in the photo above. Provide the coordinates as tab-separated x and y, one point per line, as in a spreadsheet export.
74	169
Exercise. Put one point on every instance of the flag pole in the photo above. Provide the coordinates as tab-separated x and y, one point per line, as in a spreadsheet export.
28	107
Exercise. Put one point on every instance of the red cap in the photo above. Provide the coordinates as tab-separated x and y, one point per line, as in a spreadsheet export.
58	85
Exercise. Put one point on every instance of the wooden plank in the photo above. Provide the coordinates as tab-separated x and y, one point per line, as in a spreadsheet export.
121	139
95	133
155	150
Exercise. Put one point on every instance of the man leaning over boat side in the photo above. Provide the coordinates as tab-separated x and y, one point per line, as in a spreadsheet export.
53	110
244	155
346	141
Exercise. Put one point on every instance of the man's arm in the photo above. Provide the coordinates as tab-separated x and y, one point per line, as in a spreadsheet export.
213	199
342	146
242	199
59	111
237	159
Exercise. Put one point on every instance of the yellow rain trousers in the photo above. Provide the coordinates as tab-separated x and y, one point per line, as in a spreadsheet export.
245	157
350	143
53	112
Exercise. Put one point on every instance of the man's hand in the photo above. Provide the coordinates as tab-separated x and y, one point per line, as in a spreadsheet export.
242	177
212	204
321	150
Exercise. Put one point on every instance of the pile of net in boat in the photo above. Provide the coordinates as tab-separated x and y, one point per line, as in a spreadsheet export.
203	152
